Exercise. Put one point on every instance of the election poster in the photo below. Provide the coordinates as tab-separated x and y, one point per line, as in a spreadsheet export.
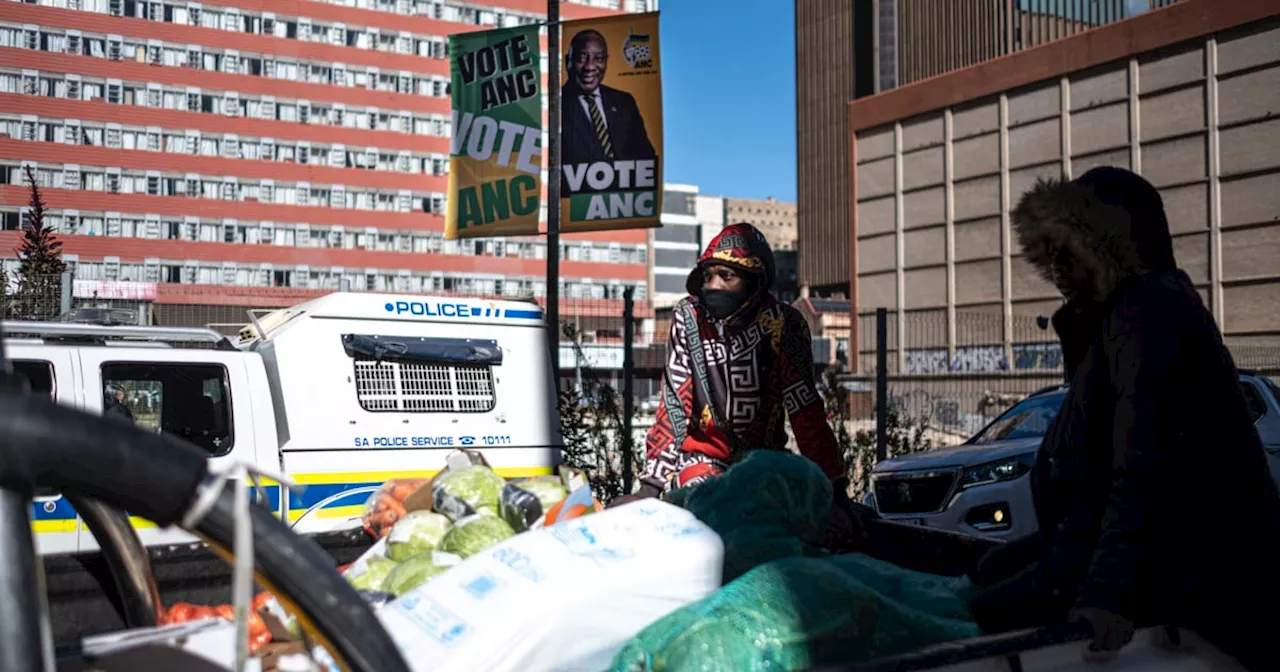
611	124
495	159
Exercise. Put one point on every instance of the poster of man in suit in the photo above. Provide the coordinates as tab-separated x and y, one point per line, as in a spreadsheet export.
611	134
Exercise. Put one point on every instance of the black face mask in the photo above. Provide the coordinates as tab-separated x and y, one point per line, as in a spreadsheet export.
722	303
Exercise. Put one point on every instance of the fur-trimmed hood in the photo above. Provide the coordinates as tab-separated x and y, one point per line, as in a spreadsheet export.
1109	222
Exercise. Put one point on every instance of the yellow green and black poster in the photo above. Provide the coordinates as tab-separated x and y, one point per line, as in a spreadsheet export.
611	124
495	159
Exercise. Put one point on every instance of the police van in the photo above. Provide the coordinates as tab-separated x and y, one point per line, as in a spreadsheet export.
340	393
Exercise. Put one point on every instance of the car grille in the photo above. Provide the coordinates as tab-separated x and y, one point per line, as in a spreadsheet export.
913	493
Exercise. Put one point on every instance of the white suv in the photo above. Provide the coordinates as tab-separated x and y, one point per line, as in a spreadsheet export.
980	487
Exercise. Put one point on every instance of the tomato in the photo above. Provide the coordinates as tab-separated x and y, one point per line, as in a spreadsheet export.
180	612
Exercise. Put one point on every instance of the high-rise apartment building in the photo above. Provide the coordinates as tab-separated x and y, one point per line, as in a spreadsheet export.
250	153
677	244
709	211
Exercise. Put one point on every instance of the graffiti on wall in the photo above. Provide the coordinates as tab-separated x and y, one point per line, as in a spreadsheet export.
966	360
983	359
1037	356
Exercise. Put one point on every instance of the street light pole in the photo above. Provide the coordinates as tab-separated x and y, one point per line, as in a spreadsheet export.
552	151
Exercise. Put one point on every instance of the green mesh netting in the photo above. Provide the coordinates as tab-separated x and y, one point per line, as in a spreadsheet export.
800	612
788	605
770	505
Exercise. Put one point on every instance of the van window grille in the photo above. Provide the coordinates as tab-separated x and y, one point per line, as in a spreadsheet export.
383	386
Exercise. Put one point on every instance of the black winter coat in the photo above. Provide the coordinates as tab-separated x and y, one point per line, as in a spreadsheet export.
1151	487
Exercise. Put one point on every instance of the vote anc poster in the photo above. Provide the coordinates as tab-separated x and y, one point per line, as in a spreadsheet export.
611	124
495	159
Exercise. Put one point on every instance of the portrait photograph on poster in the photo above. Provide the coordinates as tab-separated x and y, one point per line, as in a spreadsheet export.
611	124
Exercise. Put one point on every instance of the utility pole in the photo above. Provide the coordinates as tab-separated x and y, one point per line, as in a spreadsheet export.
552	152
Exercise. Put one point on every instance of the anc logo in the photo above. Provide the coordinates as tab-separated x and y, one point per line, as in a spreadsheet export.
636	51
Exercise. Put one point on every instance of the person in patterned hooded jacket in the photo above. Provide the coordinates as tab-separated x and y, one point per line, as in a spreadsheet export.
756	353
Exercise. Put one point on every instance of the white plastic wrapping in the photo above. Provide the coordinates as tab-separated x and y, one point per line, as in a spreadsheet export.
563	597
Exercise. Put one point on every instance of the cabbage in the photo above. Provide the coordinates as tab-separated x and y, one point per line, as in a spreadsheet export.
458	493
474	534
371	577
416	533
549	490
417	570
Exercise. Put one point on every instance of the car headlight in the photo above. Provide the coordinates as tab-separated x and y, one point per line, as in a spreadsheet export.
1000	470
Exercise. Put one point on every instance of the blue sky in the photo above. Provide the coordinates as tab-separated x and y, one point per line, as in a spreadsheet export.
728	89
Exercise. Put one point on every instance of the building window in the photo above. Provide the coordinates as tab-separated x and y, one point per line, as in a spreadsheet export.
679	203
675	258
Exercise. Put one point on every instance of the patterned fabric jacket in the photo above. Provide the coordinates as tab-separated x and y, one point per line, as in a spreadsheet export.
759	365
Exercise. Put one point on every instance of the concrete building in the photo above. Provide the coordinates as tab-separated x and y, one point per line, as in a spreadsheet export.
775	219
1186	95
230	156
710	214
847	49
676	245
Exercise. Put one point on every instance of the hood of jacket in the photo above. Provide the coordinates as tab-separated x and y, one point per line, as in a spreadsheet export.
1108	223
741	247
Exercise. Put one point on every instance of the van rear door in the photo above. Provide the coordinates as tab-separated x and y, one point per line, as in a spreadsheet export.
366	400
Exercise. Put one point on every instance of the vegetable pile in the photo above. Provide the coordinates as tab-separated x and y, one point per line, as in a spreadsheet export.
471	508
423	527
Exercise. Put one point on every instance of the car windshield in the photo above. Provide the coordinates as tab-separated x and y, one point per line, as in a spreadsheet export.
1027	419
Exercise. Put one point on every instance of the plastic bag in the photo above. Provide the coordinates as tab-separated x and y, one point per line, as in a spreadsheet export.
417	570
579	503
798	613
371	575
524	503
416	533
564	597
259	635
386	506
461	491
474	534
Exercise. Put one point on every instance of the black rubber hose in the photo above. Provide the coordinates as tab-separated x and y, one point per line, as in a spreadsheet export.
147	474
126	557
297	570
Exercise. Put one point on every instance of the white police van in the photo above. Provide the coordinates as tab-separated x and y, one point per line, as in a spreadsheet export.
340	393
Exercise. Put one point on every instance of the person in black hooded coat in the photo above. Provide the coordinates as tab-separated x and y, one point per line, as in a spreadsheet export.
1151	488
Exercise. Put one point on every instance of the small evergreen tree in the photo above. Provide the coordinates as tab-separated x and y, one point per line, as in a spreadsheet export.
40	265
592	429
903	435
5	307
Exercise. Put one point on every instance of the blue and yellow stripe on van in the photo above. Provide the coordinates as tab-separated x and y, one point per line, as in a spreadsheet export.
53	516
326	495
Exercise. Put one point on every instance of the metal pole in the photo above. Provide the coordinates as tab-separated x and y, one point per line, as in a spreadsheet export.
68	280
26	643
552	148
882	383
628	385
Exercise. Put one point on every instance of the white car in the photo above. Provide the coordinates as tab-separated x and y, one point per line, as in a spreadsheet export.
980	487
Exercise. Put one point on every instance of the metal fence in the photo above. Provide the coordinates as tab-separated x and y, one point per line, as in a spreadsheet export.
952	384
